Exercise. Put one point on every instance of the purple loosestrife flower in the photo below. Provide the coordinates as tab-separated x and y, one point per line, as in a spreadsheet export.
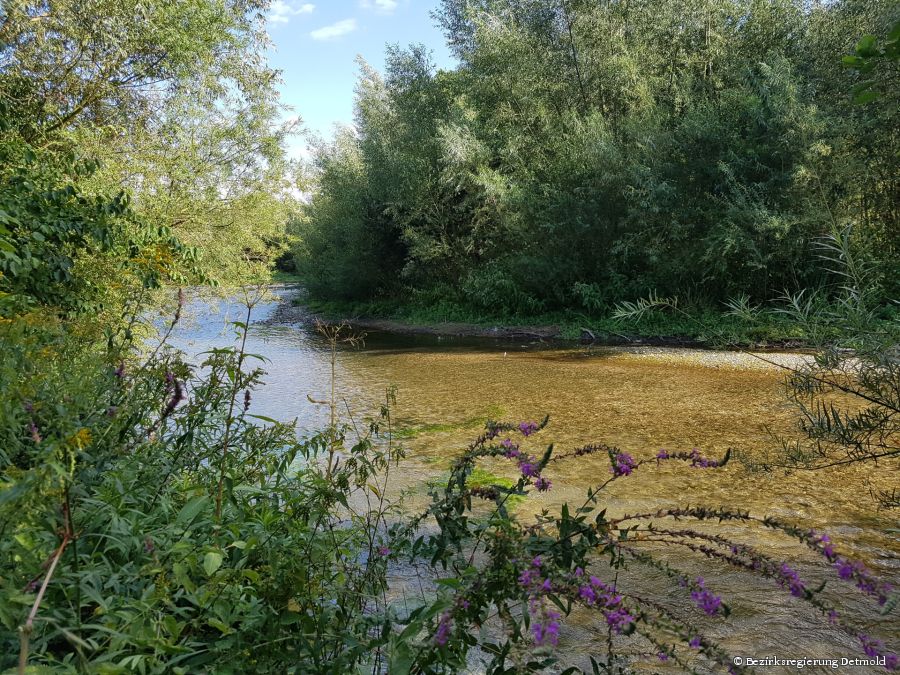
546	630
618	619
874	649
511	449
526	577
708	602
528	428
442	634
791	580
851	570
543	484
844	569
587	594
623	464
530	469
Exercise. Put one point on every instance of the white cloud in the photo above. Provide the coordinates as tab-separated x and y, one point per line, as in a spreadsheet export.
335	30
383	6
281	11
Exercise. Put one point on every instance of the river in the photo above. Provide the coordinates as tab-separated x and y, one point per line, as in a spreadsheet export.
640	400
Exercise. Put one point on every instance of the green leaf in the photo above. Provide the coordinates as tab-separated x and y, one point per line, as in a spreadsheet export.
864	97
191	510
212	561
866	45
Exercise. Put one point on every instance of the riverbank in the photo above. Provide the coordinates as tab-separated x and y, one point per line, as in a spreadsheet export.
657	329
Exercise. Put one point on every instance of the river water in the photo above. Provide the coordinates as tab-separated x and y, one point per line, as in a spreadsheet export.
638	400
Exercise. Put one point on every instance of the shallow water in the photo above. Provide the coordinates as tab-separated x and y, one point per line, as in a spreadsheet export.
639	401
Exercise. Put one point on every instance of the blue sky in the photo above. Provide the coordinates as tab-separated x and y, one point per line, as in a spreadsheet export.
316	44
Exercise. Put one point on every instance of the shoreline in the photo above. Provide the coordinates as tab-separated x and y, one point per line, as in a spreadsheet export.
289	312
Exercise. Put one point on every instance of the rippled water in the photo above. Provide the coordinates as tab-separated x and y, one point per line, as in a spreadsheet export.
640	401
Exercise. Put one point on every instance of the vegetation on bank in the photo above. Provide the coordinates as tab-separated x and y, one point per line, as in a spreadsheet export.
586	154
151	522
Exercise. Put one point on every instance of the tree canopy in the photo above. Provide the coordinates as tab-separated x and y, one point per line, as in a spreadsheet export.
583	153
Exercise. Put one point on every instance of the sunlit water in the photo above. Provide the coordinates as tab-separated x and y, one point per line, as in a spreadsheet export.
637	401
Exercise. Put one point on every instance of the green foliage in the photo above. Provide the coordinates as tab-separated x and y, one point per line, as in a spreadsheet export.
588	153
869	53
190	534
64	245
176	103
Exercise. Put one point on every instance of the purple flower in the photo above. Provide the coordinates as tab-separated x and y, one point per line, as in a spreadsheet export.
623	464
384	551
528	428
526	577
850	570
442	634
542	484
874	649
662	656
547	631
547	586
844	569
512	450
870	646
662	454
587	594
579	572
708	602
536	562
695	642
791	580
618	619
530	469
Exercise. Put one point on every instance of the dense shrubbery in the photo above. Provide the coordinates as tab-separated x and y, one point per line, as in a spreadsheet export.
586	153
150	522
154	524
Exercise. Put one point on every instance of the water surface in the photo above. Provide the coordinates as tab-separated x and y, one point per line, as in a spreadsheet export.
637	400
